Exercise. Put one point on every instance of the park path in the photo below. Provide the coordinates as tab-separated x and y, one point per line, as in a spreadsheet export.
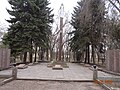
75	72
31	78
41	71
49	85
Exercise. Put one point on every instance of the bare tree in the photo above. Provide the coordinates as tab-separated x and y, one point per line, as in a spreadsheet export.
115	3
55	36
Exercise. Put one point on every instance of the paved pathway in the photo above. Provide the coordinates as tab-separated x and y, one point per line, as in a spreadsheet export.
74	72
49	85
41	71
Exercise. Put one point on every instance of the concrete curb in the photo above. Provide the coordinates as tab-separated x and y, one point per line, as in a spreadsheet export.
5	76
105	86
62	80
6	81
110	72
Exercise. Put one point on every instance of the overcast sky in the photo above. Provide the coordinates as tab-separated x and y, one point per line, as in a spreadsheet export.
55	4
3	13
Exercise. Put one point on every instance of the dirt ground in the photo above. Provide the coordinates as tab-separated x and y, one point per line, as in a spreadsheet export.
49	85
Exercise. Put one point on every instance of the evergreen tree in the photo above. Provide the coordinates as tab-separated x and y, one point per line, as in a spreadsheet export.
30	26
97	12
80	34
87	20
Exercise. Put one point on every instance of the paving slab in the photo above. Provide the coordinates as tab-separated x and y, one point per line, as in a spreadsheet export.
49	85
6	72
42	72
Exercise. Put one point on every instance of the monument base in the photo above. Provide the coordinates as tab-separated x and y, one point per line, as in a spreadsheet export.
57	67
58	64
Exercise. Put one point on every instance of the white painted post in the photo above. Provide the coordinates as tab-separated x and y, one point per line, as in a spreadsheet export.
95	72
14	72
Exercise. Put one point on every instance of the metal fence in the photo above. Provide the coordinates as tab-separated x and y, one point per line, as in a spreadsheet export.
4	58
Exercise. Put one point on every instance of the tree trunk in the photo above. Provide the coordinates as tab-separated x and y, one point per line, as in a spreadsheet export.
42	54
51	55
66	54
74	56
30	57
85	56
57	55
88	54
93	54
62	59
21	57
70	55
25	57
30	53
35	54
98	54
39	52
47	55
78	56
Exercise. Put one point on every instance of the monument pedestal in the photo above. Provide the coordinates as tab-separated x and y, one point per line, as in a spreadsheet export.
57	67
